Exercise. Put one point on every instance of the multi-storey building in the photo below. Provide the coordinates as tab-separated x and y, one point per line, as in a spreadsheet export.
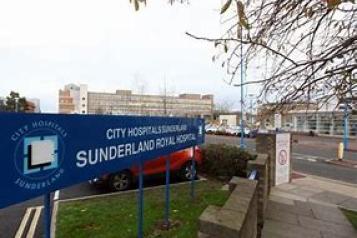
77	99
73	99
33	105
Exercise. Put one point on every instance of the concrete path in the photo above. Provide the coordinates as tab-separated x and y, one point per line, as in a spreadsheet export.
308	207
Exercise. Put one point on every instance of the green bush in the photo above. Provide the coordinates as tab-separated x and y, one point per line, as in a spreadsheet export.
224	161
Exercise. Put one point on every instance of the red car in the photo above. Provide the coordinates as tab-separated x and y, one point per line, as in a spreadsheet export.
180	163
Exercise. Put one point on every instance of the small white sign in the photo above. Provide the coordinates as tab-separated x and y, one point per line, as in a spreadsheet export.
282	165
42	152
277	121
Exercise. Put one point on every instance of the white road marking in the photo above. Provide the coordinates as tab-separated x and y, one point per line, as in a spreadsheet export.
311	160
299	158
23	223
56	196
34	222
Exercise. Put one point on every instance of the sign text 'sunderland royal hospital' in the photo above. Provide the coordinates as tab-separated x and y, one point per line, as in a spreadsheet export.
41	153
103	154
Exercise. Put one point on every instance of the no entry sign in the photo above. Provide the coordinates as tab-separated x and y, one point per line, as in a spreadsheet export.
41	153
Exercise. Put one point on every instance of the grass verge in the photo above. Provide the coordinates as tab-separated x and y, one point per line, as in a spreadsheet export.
351	216
116	216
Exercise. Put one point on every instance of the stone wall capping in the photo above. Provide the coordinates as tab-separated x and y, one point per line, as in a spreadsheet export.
238	216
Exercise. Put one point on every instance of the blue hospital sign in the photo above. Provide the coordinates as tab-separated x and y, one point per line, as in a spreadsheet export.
41	153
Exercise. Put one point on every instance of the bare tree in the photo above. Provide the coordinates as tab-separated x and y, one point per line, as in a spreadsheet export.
308	48
167	97
224	106
140	86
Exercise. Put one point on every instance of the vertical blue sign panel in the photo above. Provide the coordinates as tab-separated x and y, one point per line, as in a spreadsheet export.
40	153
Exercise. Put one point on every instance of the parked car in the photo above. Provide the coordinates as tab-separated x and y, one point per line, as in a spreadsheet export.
246	132
180	164
253	133
222	130
211	129
233	130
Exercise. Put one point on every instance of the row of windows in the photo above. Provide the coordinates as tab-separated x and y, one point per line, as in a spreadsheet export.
155	99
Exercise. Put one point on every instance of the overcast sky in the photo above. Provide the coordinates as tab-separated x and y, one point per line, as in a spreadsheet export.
107	45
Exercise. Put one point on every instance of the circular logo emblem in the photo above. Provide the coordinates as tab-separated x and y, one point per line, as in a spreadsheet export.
283	157
38	157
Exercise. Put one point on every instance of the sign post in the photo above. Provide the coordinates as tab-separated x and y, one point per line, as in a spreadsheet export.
141	202
167	193
47	215
282	164
193	173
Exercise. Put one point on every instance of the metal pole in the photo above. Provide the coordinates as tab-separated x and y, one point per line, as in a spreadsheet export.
141	202
193	173
167	193
47	215
241	91
345	131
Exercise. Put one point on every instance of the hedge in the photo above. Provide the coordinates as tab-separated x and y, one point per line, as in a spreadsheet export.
224	161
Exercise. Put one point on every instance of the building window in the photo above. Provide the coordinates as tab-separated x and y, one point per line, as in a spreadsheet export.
83	112
83	105
83	98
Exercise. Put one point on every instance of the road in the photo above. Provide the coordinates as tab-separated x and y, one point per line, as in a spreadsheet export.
14	218
308	157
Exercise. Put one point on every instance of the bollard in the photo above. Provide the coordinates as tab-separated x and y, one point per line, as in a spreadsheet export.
340	151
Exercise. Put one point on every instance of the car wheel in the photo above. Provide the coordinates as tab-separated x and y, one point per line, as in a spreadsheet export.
120	181
187	171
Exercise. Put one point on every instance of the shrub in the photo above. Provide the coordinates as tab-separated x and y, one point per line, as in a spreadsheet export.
224	161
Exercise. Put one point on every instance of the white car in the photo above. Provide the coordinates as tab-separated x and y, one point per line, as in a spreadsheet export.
233	130
236	131
211	129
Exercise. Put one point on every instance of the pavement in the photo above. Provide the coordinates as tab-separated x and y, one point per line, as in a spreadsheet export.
309	207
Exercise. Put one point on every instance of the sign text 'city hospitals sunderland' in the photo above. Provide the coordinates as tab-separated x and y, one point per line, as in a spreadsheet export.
40	153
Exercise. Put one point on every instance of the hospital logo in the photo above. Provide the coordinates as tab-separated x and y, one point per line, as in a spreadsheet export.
40	153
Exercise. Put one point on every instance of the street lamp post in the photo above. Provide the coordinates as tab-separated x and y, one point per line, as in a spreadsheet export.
251	97
241	144
241	92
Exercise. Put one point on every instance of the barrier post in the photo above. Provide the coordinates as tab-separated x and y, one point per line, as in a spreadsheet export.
47	215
